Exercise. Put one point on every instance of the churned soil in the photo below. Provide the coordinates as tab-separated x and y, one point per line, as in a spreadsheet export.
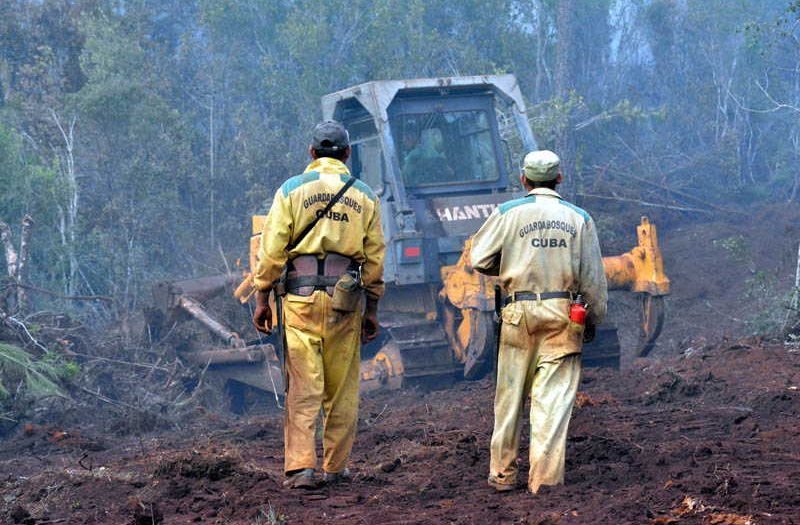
708	437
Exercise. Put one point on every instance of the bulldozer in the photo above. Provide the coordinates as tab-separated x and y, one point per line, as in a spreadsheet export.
438	153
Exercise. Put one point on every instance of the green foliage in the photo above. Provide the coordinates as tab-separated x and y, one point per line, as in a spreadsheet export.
762	290
768	304
29	187
190	114
40	377
65	370
70	370
737	248
552	116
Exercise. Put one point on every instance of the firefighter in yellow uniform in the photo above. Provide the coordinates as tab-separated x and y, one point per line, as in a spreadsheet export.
545	252
323	340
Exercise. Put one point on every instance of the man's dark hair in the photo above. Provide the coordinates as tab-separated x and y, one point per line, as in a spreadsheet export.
549	184
338	154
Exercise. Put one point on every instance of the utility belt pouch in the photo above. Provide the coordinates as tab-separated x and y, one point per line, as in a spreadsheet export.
346	294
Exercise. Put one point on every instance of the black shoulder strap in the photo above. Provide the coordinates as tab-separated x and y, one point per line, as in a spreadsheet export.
292	245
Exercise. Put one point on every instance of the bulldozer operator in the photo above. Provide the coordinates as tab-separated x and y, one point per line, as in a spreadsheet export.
424	162
323	235
546	253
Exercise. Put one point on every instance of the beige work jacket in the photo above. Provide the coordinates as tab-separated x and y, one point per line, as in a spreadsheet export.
542	243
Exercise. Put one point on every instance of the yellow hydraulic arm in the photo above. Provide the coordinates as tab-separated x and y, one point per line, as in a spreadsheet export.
642	268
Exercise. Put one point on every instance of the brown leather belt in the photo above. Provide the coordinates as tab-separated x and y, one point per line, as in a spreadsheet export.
534	296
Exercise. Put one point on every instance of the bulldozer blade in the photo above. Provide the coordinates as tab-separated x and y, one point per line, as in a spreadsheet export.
425	352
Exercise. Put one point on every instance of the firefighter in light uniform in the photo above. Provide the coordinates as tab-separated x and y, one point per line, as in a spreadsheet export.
545	251
323	343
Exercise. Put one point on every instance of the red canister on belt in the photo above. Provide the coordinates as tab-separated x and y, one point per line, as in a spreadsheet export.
577	311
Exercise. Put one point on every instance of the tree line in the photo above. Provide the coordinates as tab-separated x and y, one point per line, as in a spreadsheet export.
141	135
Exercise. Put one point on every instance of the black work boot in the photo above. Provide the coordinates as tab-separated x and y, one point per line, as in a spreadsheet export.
302	479
332	478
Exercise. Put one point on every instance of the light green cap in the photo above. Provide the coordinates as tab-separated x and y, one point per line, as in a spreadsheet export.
541	166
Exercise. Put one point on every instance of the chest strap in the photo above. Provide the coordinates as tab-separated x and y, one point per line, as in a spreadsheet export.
534	296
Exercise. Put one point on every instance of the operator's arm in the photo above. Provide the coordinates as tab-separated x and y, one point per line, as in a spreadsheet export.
275	237
593	276
487	245
374	251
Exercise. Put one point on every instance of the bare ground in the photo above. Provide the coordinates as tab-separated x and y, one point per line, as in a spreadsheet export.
708	437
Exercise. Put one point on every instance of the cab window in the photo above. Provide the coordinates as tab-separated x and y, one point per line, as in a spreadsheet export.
445	148
366	160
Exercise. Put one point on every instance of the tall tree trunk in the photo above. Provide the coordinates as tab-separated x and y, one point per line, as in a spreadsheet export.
22	266
11	252
211	168
69	216
565	140
540	50
791	325
17	263
12	260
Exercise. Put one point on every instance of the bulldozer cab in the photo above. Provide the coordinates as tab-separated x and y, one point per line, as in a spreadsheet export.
439	153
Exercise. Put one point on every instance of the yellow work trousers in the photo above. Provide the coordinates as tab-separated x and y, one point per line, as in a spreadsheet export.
322	364
539	357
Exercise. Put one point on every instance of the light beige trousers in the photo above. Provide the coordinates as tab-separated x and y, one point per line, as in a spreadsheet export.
539	357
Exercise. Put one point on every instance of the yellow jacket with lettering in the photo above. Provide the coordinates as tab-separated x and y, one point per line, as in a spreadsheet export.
542	243
352	228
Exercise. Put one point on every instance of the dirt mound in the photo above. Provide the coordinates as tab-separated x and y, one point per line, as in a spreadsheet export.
198	466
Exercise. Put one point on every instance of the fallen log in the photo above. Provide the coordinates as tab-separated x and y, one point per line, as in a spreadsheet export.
231	356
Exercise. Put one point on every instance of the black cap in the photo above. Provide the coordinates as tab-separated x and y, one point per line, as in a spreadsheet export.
330	136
